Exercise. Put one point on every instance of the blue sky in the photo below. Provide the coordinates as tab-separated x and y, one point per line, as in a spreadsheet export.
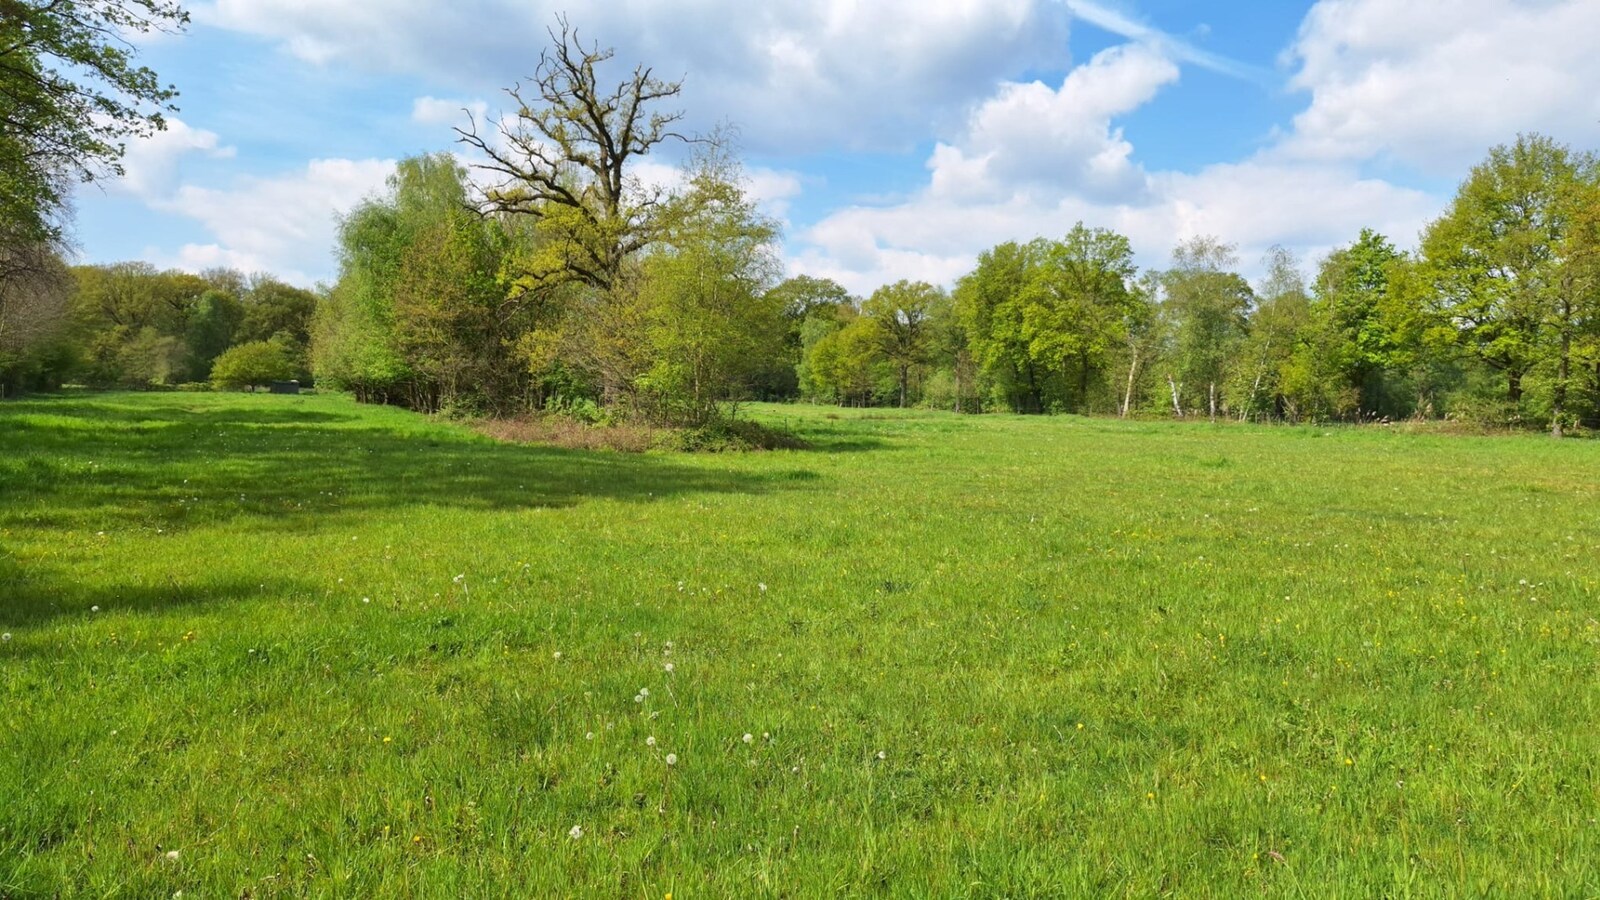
894	138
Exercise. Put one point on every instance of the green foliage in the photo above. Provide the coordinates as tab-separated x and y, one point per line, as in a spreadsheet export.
712	321
417	312
1209	306
901	317
1279	642
1498	263
71	96
252	365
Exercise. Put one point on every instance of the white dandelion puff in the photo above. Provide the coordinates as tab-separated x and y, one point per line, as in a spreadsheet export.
576	832
672	759
748	737
644	692
588	735
650	741
882	755
173	855
668	667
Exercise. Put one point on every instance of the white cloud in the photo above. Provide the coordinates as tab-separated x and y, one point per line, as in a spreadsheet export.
1434	83
434	111
152	166
1029	134
790	73
285	224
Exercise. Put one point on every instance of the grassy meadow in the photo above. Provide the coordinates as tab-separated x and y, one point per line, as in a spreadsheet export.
266	646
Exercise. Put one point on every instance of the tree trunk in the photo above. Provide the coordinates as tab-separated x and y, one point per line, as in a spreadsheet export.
1176	406
1514	385
1213	401
1127	397
904	374
1558	400
1083	382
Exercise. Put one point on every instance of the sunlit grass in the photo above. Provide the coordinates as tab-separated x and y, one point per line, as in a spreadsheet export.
317	648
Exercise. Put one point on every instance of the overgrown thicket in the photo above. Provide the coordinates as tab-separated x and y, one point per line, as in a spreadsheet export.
1495	319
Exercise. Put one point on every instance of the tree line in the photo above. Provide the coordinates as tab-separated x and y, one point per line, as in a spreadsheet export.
548	276
1495	318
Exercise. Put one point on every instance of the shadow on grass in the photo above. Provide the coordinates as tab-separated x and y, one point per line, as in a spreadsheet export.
34	595
76	464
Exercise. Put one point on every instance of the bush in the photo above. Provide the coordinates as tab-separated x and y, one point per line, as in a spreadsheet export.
251	365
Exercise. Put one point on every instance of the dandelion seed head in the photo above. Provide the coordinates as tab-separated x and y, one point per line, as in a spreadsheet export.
650	741
668	667
644	692
748	737
882	754
575	832
173	855
672	759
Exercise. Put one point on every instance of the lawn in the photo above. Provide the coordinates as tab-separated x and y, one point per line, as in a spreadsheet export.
269	646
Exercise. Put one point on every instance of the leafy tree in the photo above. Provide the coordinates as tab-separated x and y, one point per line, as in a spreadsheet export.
1351	289
566	162
1499	262
35	288
252	365
711	317
1075	303
71	94
209	331
1210	304
419	313
1277	328
901	313
987	307
272	308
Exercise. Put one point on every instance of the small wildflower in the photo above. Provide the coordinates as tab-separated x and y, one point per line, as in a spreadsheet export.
1150	796
173	855
1349	762
556	656
882	755
94	609
5	637
668	667
366	599
459	578
650	741
638	698
766	736
672	759
1080	726
588	735
748	737
762	586
576	832
644	692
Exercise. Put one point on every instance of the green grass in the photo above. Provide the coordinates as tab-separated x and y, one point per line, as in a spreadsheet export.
346	651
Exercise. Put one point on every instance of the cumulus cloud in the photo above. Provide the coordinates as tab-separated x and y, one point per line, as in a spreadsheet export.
1030	134
1434	83
792	73
152	166
285	223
